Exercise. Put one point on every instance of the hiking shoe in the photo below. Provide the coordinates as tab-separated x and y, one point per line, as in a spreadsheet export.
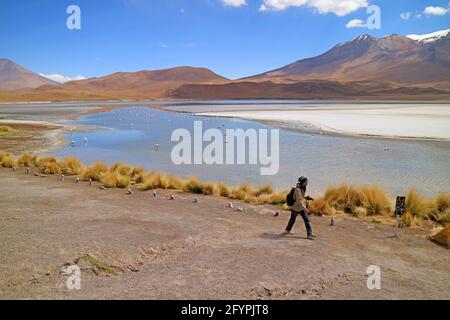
311	236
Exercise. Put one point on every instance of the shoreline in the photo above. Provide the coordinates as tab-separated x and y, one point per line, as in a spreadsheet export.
354	122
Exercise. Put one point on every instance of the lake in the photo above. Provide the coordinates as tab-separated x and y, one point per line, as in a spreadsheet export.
129	134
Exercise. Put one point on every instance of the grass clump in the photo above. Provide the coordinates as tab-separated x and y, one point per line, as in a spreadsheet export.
27	160
4	154
4	130
8	162
193	185
123	169
48	165
95	171
100	265
72	166
113	179
375	201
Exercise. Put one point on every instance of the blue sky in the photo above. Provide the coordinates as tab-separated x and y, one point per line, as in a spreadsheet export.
234	38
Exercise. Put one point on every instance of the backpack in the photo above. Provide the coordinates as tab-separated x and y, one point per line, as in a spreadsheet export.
290	198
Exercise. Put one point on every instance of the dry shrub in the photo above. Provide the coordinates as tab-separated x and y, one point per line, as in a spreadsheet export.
8	162
224	190
211	189
155	180
122	169
343	198
113	179
48	165
267	189
193	185
243	192
72	166
319	207
95	171
137	174
417	206
442	202
274	198
27	160
375	201
5	129
175	183
4	154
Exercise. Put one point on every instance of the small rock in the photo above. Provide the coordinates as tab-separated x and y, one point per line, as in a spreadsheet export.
130	191
172	197
103	188
276	214
195	200
240	209
332	222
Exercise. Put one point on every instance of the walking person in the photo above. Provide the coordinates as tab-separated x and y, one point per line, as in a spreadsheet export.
299	207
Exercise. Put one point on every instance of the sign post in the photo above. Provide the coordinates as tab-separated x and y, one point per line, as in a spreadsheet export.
399	211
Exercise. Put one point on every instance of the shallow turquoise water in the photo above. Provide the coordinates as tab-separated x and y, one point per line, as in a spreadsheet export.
130	134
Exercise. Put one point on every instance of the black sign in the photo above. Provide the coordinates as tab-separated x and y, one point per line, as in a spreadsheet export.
400	206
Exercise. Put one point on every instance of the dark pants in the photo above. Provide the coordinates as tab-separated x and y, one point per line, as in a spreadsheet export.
305	217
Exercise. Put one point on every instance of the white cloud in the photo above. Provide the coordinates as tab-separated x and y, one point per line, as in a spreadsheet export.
338	7
436	11
60	78
163	45
356	23
234	3
406	15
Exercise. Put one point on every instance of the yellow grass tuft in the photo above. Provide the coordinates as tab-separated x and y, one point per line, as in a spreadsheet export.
6	129
211	189
375	201
8	162
72	166
27	160
267	189
95	171
193	185
113	179
4	154
48	165
224	190
319	207
122	169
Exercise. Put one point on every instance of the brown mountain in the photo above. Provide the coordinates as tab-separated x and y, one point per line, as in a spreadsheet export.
393	58
15	77
141	85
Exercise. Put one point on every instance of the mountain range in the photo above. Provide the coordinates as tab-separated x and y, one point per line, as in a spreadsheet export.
413	66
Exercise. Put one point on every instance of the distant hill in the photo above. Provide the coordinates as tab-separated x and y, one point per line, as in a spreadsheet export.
422	60
392	67
15	77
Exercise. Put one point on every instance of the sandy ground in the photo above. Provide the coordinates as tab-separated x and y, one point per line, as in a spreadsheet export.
178	249
403	121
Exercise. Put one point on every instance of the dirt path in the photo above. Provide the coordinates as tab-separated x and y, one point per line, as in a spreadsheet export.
178	249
